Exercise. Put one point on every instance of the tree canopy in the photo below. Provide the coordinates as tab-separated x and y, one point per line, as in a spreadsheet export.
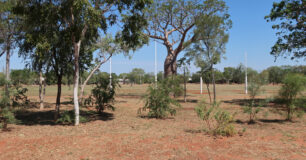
290	17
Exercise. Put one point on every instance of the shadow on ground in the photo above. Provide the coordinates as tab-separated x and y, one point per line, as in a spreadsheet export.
244	102
25	117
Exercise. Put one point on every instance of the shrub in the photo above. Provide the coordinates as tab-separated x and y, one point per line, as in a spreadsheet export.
252	108
293	85
2	79
158	101
217	120
67	117
103	95
6	114
172	86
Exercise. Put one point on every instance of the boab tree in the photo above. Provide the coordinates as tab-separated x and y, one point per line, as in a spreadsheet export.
172	23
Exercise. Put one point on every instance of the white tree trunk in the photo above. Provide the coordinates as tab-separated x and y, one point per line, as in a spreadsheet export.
7	71
76	82
41	88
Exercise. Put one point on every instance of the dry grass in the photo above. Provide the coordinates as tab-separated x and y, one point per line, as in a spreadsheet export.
124	135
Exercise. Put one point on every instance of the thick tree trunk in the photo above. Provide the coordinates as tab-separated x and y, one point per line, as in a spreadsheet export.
214	83
7	71
41	88
88	78
170	67
76	82
58	97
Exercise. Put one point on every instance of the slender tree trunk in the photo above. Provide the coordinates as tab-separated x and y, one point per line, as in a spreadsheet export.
7	70
208	90
58	97
214	83
88	78
41	96
185	87
76	82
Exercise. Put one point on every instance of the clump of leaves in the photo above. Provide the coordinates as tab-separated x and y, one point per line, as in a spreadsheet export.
172	86
159	102
293	86
217	120
6	113
19	97
255	88
67	117
103	94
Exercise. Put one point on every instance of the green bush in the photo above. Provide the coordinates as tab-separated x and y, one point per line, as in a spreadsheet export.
293	86
103	95
2	79
6	114
67	117
172	86
217	120
158	101
254	89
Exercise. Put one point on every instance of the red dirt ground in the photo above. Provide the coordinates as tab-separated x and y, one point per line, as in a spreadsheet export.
128	136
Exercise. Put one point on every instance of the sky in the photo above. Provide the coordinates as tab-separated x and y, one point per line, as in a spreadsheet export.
250	34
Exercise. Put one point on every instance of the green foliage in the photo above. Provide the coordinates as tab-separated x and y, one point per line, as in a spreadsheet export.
293	85
67	117
135	75
19	97
24	76
217	120
158	100
290	18
103	95
6	114
2	79
254	89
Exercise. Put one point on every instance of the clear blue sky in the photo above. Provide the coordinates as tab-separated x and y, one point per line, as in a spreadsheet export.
250	33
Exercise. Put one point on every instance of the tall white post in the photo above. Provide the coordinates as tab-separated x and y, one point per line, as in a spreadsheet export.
201	84
110	72
246	74
155	64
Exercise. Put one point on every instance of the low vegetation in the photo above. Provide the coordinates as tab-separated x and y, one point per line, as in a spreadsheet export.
291	94
159	101
217	120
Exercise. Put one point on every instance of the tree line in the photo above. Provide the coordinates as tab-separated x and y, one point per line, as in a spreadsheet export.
230	75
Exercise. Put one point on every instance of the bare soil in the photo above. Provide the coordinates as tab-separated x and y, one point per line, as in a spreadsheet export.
123	134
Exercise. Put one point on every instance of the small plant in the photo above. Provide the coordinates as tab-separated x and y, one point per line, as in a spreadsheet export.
67	117
103	95
158	101
217	120
172	86
19	98
252	108
293	85
6	114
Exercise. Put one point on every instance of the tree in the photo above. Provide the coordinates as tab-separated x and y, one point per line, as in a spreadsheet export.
228	74
85	17
172	22
135	75
275	74
106	46
210	42
290	18
8	31
46	42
